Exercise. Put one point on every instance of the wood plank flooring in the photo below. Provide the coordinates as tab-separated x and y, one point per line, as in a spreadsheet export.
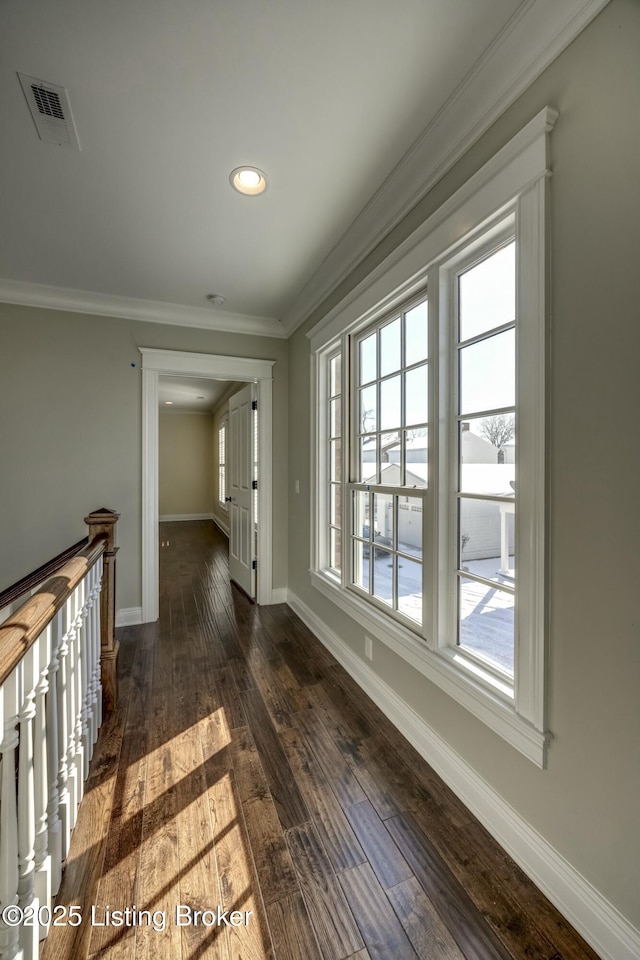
245	771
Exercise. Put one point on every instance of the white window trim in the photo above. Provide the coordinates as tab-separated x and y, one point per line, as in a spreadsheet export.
512	184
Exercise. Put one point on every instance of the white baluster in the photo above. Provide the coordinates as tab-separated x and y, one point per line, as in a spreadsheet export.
62	678
40	771
70	744
26	804
97	648
55	827
85	674
9	946
89	701
78	750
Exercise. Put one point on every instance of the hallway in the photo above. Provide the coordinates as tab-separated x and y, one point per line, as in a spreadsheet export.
245	771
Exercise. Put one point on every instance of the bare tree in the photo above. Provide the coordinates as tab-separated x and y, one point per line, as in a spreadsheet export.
367	420
498	430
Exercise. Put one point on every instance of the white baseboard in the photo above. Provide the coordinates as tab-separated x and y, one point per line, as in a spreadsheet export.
128	616
172	517
223	526
279	595
610	934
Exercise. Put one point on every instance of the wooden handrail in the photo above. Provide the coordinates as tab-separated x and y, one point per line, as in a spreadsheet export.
34	579
19	632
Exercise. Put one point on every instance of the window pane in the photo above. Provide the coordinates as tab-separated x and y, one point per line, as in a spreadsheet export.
335	466
367	416
487	455
416	457
390	348
486	539
416	334
335	504
390	458
368	459
335	549
410	525
361	514
368	353
383	575
416	396
390	415
335	375
485	622
410	588
487	373
361	564
336	417
488	293
383	518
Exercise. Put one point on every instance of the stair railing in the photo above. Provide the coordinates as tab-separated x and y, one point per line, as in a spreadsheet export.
58	659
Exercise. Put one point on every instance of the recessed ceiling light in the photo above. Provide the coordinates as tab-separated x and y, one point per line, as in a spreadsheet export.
248	180
168	403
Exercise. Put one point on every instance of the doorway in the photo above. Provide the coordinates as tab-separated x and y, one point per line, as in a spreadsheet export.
157	363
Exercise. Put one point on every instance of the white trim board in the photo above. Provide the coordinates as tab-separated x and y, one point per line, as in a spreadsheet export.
156	363
225	529
598	921
128	616
174	517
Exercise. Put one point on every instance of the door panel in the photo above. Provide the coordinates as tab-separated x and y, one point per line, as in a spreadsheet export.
241	541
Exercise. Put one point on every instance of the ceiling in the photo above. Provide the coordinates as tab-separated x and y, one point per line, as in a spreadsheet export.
192	395
353	108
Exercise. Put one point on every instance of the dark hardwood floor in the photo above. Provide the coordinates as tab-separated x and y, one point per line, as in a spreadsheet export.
245	770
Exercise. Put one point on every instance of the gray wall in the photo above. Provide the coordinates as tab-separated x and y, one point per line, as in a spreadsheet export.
587	803
185	463
71	435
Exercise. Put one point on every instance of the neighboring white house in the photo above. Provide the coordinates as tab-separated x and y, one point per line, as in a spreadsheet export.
483	521
475	449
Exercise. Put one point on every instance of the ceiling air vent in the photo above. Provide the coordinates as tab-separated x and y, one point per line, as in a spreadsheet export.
49	106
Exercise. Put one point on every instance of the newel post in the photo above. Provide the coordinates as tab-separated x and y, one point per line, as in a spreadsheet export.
104	522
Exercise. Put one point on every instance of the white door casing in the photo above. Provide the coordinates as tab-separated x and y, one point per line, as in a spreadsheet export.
156	363
241	538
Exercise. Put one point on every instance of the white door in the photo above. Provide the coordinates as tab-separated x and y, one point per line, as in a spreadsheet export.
241	538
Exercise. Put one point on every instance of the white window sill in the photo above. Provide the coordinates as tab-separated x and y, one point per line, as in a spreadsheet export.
483	695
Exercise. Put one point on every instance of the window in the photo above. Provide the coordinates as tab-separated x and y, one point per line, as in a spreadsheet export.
485	354
389	408
334	436
222	464
429	455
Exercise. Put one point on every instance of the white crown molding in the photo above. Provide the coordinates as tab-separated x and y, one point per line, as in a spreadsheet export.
534	36
610	934
131	308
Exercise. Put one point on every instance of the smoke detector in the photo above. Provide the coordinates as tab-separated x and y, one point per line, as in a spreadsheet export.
216	299
50	110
